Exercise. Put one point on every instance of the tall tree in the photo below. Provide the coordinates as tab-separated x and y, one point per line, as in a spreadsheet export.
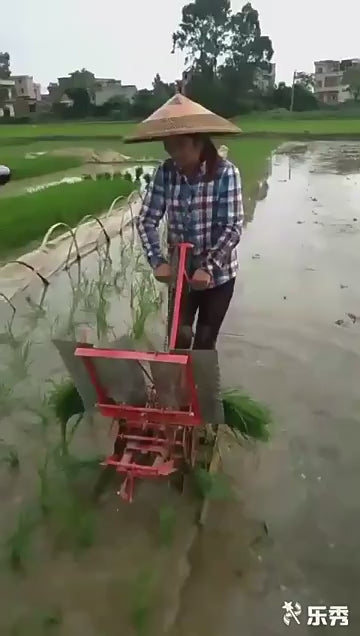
249	52
4	65
306	80
161	90
225	52
203	34
81	102
304	99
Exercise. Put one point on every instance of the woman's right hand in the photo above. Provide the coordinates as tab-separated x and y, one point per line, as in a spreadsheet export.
163	273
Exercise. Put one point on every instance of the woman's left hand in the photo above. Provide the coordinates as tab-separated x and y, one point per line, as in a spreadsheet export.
201	279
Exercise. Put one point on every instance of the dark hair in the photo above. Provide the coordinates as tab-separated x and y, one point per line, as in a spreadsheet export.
210	155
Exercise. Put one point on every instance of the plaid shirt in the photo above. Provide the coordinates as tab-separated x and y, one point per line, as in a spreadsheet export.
207	214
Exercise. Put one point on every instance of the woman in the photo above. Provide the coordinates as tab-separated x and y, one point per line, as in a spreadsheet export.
201	194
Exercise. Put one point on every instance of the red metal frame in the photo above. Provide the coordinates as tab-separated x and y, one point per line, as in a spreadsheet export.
165	438
181	278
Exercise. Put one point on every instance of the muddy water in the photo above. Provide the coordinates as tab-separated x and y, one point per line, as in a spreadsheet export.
291	530
299	275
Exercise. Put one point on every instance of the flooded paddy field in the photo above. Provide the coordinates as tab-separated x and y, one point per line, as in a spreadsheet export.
289	529
292	340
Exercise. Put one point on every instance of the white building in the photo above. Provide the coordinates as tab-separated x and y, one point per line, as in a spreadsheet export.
26	87
105	89
20	96
329	87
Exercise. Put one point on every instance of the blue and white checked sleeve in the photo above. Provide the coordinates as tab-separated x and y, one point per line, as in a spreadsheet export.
151	213
231	217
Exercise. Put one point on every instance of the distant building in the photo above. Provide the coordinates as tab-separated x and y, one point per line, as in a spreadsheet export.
105	89
329	87
7	98
28	95
265	80
100	89
20	96
26	88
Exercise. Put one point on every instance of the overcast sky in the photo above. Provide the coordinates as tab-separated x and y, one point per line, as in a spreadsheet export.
131	39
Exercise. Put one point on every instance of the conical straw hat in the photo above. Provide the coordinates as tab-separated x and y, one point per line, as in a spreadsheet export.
181	116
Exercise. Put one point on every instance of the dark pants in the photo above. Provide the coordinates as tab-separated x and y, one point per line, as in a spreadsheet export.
211	305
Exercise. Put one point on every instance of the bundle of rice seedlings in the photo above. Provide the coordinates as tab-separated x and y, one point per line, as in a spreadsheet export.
245	416
66	402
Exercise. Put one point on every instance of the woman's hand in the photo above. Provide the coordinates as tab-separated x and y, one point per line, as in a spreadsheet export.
163	273
201	279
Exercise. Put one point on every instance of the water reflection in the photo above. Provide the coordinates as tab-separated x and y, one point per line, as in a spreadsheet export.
341	158
257	192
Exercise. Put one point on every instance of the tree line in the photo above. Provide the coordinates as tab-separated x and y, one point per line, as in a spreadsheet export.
226	54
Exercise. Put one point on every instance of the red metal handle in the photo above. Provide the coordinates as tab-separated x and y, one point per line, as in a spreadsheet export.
181	276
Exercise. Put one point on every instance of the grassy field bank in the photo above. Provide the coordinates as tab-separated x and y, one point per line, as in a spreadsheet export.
23	168
289	125
26	218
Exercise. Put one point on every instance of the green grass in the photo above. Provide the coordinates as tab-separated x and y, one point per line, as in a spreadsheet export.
68	129
22	168
27	217
291	125
320	124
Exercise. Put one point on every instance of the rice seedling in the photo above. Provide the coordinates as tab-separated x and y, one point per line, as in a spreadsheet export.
9	456
42	409
52	618
39	622
213	486
146	300
141	601
44	487
140	314
167	524
66	402
38	311
103	328
20	352
245	416
70	519
18	543
96	299
119	283
6	399
20	363
72	522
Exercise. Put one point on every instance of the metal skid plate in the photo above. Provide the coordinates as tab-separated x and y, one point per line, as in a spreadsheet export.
123	379
167	379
